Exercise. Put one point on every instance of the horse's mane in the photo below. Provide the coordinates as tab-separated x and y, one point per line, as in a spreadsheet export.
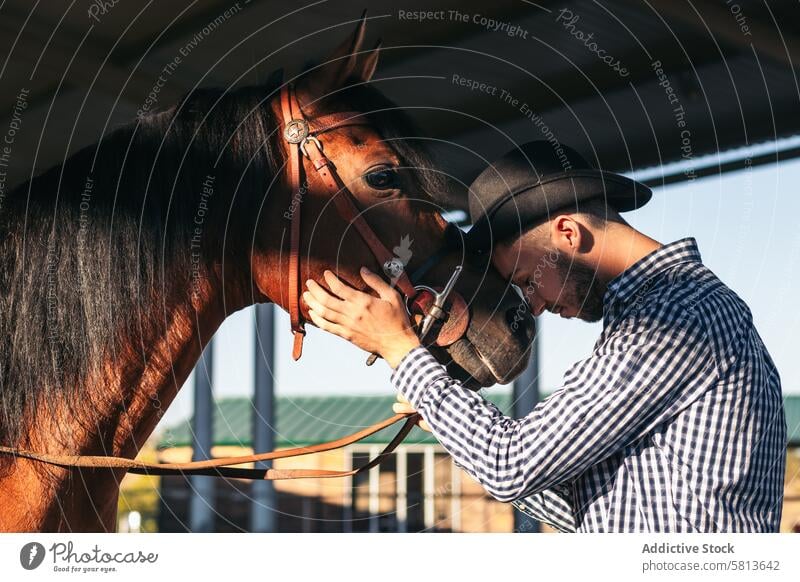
91	249
94	249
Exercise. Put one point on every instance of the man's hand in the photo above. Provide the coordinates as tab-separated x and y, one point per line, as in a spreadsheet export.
402	406
375	324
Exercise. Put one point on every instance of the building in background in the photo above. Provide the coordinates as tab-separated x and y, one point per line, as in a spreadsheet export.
417	489
790	521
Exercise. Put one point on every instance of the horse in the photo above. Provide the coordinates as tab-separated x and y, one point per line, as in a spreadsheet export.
119	264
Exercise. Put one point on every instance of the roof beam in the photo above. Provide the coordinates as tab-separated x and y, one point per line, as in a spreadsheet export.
735	29
115	79
596	80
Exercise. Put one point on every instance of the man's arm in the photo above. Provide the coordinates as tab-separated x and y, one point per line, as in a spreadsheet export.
638	378
632	383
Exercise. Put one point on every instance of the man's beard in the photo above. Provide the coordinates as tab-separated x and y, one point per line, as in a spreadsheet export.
579	286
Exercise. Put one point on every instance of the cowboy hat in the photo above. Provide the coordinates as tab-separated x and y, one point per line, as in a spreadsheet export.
534	180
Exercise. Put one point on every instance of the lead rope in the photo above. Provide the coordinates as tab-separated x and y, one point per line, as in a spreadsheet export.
221	467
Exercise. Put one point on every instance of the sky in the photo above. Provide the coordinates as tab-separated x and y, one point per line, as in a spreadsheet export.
746	227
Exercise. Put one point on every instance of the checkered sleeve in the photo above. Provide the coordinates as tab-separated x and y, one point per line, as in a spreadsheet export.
639	379
552	506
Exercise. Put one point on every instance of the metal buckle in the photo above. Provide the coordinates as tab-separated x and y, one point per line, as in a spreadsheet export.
296	131
437	312
307	139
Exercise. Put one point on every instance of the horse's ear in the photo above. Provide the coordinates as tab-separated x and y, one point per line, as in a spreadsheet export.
368	64
343	65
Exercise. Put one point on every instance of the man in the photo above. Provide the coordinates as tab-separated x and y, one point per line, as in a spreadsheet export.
674	423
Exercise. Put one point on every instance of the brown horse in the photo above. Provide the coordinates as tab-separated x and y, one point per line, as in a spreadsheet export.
118	265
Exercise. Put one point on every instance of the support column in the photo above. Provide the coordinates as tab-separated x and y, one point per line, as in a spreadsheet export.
347	501
402	489
201	504
526	396
428	492
374	492
264	504
455	497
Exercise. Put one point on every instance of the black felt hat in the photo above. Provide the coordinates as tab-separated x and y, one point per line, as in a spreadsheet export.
534	180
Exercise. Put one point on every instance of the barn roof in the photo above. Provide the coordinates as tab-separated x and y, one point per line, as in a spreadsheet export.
630	84
306	420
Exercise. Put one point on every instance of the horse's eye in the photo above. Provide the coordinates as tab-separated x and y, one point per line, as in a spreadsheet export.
383	178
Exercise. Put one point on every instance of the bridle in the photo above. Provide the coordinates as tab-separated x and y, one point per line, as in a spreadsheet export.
442	309
301	136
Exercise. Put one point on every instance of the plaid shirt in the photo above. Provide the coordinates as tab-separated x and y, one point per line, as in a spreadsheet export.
674	423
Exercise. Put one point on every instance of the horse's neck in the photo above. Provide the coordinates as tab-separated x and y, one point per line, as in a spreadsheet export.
133	401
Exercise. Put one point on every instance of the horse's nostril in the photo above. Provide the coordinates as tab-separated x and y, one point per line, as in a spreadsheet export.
521	323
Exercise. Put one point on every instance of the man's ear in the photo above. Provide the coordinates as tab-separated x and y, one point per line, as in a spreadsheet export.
566	233
348	64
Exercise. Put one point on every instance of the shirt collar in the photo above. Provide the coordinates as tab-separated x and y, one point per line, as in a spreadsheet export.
624	285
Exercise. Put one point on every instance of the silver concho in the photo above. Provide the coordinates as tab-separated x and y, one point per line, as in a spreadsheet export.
393	268
296	131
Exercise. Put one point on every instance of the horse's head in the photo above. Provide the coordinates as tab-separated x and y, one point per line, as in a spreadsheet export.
394	187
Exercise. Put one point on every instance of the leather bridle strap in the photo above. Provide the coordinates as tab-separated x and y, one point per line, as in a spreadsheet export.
222	467
294	233
348	210
300	135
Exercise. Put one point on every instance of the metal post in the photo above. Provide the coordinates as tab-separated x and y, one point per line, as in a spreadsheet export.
201	505
526	396
428	492
264	500
374	499
402	489
455	498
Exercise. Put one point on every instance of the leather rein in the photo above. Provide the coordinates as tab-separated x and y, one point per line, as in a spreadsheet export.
301	137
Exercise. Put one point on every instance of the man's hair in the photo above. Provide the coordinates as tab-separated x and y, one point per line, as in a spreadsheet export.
595	211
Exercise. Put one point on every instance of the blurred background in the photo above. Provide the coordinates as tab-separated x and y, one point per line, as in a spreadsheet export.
698	100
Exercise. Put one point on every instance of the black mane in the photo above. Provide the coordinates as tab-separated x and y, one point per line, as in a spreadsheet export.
92	247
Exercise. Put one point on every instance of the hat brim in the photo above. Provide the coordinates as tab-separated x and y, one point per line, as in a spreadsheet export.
510	215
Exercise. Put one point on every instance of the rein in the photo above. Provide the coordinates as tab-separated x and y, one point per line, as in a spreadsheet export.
222	466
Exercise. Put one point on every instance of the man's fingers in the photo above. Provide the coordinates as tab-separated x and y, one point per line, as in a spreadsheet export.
402	408
384	290
322	297
323	312
329	326
401	398
341	288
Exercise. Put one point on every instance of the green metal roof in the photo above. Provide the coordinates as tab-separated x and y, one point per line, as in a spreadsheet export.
791	404
306	420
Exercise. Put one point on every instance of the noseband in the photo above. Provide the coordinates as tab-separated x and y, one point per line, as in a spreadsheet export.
301	135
